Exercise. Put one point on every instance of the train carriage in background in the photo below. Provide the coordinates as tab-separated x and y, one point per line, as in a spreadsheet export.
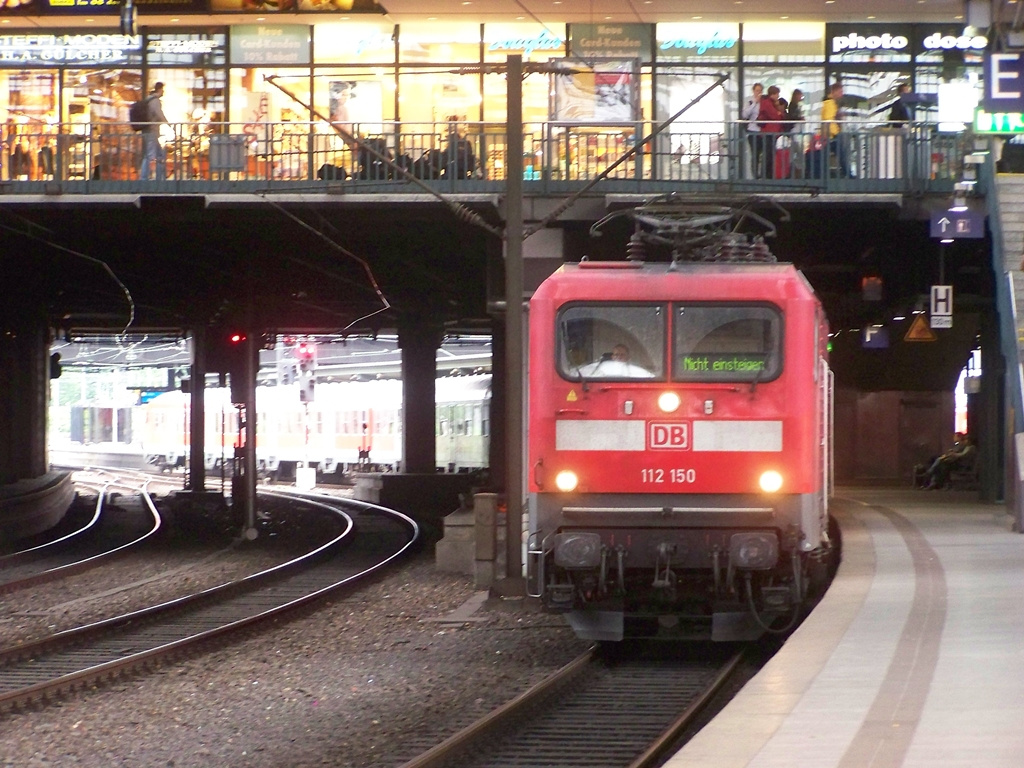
350	426
679	447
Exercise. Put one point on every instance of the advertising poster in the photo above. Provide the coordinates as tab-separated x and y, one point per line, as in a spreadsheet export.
602	94
613	96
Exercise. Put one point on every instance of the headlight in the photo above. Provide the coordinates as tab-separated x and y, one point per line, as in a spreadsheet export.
771	481
566	481
577	550
668	402
757	550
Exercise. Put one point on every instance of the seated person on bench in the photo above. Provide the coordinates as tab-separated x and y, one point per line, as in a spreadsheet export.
960	456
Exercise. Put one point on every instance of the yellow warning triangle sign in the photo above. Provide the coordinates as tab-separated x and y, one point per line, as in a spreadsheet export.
919	330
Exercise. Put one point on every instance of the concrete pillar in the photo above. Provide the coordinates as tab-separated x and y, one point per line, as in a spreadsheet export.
197	414
419	342
24	396
990	409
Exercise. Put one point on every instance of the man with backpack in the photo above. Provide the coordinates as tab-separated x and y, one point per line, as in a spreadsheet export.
152	152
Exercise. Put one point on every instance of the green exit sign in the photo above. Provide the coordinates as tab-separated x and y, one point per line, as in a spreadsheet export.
998	122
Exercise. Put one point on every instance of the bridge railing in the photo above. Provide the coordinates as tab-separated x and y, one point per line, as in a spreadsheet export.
108	156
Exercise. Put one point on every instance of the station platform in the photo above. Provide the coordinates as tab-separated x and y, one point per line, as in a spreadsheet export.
913	659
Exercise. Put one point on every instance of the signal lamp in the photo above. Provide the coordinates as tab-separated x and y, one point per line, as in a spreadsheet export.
669	402
236	338
770	481
566	481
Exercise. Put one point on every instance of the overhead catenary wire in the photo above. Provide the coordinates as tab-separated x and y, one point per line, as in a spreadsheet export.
461	211
28	231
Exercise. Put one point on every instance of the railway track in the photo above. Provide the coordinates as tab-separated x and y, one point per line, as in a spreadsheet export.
610	708
116	525
367	538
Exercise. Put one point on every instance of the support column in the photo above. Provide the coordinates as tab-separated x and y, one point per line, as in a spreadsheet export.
515	328
24	395
419	342
197	414
991	408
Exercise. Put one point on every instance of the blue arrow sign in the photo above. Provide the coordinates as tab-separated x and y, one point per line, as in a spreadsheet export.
957	225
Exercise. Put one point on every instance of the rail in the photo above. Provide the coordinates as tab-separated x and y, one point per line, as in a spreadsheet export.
91	158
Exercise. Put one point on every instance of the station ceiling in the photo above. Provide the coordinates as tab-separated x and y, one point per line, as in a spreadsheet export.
557	12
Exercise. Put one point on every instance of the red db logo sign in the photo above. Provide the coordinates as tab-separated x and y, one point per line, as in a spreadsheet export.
674	435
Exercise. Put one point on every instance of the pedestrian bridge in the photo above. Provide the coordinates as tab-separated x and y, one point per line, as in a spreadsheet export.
559	158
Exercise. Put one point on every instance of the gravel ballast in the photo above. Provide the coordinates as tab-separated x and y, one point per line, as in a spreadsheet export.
371	679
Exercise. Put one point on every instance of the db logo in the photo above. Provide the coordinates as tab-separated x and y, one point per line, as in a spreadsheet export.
674	435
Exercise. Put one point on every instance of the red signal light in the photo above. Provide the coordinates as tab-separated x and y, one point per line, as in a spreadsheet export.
236	338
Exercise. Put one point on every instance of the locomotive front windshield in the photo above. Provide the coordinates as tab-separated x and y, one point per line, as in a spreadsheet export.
715	342
612	341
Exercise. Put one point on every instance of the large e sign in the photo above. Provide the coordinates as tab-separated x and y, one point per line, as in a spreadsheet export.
1004	82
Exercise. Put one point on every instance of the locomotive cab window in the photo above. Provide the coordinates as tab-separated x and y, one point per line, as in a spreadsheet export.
727	343
611	341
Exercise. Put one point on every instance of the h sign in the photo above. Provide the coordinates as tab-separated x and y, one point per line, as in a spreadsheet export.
942	300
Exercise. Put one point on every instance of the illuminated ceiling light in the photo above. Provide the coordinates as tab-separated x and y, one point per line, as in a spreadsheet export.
872	17
696	17
959	17
175	21
946	241
829	2
783	17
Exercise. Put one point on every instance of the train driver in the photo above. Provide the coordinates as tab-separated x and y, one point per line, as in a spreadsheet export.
615	364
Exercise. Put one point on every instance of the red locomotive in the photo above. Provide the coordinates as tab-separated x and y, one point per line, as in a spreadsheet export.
679	447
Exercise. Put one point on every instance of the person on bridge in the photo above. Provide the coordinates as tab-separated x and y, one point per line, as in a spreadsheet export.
770	116
749	115
152	151
899	115
831	119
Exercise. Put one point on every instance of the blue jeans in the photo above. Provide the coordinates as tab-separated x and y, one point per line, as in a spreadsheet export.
152	152
838	149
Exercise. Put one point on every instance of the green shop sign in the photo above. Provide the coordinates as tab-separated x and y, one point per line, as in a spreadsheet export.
998	122
264	44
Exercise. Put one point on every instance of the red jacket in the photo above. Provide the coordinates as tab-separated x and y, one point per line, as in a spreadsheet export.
770	115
